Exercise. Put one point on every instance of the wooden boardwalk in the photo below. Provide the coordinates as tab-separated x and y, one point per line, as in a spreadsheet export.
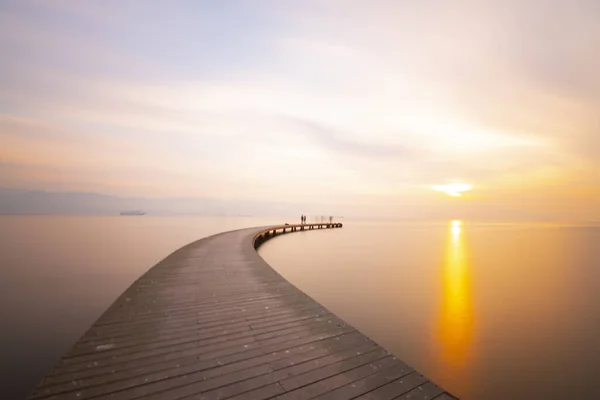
214	321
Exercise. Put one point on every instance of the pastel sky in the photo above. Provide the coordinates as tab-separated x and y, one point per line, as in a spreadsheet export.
362	103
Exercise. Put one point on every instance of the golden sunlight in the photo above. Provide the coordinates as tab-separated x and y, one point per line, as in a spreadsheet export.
453	189
456	319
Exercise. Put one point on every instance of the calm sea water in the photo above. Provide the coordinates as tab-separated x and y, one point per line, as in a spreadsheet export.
59	273
488	311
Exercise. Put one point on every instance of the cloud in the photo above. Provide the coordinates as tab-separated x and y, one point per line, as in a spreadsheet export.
333	140
352	98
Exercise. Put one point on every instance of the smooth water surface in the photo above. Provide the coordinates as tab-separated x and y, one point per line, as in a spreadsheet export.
488	311
59	273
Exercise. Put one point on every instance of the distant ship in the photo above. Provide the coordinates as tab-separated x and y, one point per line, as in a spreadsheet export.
133	213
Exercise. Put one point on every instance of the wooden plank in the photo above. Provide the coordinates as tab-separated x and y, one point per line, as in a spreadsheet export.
427	391
213	354
230	384
344	377
369	383
444	396
214	321
99	384
200	332
396	388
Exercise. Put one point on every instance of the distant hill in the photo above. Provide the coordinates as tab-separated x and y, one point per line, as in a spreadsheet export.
42	202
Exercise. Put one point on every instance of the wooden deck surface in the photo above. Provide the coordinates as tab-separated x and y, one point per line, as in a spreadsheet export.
214	321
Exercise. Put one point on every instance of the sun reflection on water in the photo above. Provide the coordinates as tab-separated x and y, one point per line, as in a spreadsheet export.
456	319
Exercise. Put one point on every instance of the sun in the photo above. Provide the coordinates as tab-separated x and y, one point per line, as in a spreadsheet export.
453	189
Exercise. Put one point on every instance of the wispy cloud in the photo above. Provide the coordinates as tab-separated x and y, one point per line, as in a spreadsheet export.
335	141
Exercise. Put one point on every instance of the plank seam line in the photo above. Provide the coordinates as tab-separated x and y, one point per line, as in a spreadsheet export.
171	368
392	381
279	382
339	373
395	380
165	349
194	355
243	369
107	354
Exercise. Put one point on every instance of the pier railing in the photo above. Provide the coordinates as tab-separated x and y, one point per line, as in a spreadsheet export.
271	232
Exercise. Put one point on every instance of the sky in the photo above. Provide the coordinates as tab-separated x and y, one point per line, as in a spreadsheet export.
366	105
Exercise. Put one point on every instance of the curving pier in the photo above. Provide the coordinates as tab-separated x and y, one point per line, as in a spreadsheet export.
214	321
